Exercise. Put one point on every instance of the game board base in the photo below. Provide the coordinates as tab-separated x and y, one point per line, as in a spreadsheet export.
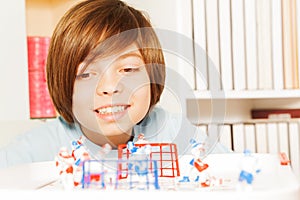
275	181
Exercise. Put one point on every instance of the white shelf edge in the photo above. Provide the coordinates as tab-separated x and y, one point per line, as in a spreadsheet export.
247	94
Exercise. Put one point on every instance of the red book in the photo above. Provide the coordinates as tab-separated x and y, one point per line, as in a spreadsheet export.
275	113
40	102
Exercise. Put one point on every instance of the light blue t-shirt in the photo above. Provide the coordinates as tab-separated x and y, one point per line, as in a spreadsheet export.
43	143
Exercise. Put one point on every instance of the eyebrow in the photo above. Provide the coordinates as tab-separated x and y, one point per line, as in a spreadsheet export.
130	54
123	56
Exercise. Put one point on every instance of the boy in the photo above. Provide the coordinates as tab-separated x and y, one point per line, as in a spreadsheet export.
105	74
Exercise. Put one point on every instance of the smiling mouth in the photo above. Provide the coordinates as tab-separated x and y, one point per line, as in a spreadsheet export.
111	109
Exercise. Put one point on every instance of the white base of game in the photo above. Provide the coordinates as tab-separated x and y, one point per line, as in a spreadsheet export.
275	181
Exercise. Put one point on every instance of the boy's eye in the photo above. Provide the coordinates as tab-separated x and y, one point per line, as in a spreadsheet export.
83	76
130	69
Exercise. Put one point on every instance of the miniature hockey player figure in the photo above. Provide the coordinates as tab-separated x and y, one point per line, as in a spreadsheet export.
141	139
64	163
248	169
79	152
81	155
138	163
198	171
70	164
138	153
199	167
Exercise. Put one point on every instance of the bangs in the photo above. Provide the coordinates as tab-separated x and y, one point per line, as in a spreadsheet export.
116	34
113	45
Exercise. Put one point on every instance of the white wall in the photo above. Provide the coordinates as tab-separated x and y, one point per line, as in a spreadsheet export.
14	100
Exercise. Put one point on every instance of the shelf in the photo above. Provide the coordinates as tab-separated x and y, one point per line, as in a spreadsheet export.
42	16
255	94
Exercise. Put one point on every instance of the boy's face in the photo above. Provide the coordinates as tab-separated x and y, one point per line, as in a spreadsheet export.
113	93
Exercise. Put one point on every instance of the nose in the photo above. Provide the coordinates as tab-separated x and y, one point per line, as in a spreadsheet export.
109	85
110	92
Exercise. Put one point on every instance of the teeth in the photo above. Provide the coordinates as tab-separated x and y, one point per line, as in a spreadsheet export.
109	110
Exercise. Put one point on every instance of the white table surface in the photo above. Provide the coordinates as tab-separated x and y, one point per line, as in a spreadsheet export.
39	181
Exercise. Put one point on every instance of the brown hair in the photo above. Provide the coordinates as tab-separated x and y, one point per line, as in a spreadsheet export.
82	29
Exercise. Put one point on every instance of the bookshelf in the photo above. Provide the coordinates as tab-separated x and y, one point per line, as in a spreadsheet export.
265	74
263	48
238	105
43	15
257	94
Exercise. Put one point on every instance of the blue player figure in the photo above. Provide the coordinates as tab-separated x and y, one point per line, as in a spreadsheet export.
249	167
139	157
138	163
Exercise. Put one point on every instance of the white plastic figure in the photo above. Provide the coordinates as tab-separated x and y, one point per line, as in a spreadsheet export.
198	171
138	162
249	167
64	163
199	168
70	165
79	152
141	139
106	148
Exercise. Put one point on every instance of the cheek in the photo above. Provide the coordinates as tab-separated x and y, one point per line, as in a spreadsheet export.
144	92
141	99
83	95
83	101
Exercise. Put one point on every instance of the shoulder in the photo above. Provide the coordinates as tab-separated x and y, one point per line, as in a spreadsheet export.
38	144
158	113
48	127
55	131
162	125
160	117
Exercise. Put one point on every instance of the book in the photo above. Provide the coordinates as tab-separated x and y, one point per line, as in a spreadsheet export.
275	113
251	45
41	105
213	136
272	138
298	34
261	138
291	80
294	141
277	59
212	36
199	34
225	44
263	14
201	132
238	45
250	138
283	137
295	44
238	137
202	128
225	135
